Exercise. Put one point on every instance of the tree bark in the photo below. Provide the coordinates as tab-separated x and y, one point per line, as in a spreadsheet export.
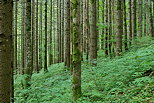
119	28
76	60
6	14
125	25
140	18
130	22
45	39
134	30
67	34
93	32
106	29
40	37
36	38
87	34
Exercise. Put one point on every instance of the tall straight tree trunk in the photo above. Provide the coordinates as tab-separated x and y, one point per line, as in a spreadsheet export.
113	27
29	65
87	28
36	38
40	38
93	32
67	34
130	22
134	29
110	25
15	37
45	39
102	36
151	17
50	46
140	18
125	25
54	32
6	14
81	27
22	37
6	66
33	33
106	29
76	60
62	32
119	28
145	18
58	34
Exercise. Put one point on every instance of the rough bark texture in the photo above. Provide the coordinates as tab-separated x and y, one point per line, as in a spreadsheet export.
93	32
40	38
50	40
81	27
76	59
140	18
130	22
67	34
106	29
102	35
119	28
125	25
87	28
33	33
58	35
15	35
134	30
45	39
151	20
23	38
113	27
29	65
109	25
6	9
36	38
62	32
145	18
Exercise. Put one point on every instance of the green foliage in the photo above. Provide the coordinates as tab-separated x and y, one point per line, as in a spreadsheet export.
116	80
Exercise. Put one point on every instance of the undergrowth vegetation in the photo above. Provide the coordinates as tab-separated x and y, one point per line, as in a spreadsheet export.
125	79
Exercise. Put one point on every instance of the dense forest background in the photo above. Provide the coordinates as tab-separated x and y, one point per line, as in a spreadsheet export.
76	51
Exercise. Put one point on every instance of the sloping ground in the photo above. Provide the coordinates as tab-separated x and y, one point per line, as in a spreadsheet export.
126	79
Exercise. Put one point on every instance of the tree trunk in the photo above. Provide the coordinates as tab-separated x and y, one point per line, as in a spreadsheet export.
151	19
62	32
29	65
130	22
119	28
36	38
50	46
76	60
15	35
93	32
106	29
134	30
125	25
87	28
6	11
33	34
110	26
45	39
67	34
40	38
140	18
23	37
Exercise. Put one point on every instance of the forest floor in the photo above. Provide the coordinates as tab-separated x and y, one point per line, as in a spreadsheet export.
125	79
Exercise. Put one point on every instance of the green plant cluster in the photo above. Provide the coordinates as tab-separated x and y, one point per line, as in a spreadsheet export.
122	79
